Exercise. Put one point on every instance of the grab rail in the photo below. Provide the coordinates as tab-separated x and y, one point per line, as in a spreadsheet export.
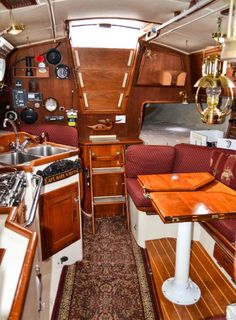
32	214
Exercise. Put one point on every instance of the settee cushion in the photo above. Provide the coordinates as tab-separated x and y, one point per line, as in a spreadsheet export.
226	227
57	133
223	167
148	159
192	158
136	193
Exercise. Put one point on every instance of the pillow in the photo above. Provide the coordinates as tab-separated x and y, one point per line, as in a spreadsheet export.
148	159
223	168
191	158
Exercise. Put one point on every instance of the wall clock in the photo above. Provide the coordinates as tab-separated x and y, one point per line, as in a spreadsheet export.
50	104
62	71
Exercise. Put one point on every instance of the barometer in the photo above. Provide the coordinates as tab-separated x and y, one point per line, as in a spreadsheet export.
50	104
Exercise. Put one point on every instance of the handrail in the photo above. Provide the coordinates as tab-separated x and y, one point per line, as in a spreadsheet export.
35	201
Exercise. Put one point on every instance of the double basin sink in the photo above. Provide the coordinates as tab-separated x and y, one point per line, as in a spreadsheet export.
29	154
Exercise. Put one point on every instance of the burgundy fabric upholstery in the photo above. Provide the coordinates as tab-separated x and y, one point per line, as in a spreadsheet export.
148	159
227	228
223	167
136	192
57	133
192	158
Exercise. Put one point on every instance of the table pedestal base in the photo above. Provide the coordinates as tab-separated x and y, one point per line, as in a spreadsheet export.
183	294
181	289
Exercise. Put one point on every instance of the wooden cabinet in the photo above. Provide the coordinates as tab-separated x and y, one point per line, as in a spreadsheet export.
59	219
225	258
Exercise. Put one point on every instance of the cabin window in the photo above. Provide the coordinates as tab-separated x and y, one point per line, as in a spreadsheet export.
105	33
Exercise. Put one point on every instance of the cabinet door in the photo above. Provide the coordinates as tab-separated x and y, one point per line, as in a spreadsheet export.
59	219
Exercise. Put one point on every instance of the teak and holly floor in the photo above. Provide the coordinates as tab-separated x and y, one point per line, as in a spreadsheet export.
216	291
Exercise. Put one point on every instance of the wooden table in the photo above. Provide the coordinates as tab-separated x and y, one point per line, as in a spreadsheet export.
186	207
174	181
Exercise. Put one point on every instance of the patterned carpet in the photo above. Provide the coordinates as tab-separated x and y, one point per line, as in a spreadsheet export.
110	283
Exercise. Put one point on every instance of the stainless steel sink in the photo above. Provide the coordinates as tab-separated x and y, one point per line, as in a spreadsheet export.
15	158
45	150
29	154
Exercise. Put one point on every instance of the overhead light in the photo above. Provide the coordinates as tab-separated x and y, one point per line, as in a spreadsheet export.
13	29
229	48
214	82
219	36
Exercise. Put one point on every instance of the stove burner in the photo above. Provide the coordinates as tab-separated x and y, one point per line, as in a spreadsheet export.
12	188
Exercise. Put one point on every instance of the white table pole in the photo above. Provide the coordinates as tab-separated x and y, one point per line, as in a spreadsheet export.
181	289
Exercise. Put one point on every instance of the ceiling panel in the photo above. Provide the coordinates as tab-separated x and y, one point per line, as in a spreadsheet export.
38	23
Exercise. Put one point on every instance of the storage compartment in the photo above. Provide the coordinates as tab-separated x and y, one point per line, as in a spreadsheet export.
224	259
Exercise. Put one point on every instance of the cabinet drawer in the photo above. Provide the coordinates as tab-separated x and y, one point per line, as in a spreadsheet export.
224	259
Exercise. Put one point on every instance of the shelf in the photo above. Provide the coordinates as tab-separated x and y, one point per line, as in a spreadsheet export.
20	72
108	170
109	200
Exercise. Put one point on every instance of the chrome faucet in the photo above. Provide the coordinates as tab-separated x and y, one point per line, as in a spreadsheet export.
16	145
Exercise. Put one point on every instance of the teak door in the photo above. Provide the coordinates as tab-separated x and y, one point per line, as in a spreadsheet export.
59	219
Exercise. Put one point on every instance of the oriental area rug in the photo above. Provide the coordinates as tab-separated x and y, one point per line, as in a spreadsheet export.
110	283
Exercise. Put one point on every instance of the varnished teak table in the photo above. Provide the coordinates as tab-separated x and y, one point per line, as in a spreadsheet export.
186	207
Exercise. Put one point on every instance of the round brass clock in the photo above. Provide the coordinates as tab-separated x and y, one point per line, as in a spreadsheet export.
50	104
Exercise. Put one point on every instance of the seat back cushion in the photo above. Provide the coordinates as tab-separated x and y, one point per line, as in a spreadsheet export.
57	133
226	227
223	167
136	193
148	159
192	158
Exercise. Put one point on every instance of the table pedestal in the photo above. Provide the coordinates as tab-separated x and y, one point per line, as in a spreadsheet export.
181	289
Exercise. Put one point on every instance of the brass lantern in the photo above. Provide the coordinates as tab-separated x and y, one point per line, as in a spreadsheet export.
213	81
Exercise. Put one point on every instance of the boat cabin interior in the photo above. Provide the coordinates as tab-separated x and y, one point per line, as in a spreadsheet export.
117	159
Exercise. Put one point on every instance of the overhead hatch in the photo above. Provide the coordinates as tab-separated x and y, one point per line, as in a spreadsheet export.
13	4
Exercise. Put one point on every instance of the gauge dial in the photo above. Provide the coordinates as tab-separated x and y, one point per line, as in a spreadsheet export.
62	71
51	104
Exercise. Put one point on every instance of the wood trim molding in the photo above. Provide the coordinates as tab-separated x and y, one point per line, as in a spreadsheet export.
22	286
218	236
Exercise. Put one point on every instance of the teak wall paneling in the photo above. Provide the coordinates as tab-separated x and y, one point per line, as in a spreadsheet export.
148	91
196	61
104	77
138	94
60	89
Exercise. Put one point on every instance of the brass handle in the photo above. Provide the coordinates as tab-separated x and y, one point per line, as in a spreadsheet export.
77	199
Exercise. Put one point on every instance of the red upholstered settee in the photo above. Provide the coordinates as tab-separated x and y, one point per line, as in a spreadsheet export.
154	159
56	133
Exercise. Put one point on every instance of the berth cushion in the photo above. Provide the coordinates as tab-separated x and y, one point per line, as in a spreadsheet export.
191	158
57	133
136	193
149	159
226	227
223	167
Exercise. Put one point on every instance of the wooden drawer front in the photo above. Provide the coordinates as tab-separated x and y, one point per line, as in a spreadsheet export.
224	260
